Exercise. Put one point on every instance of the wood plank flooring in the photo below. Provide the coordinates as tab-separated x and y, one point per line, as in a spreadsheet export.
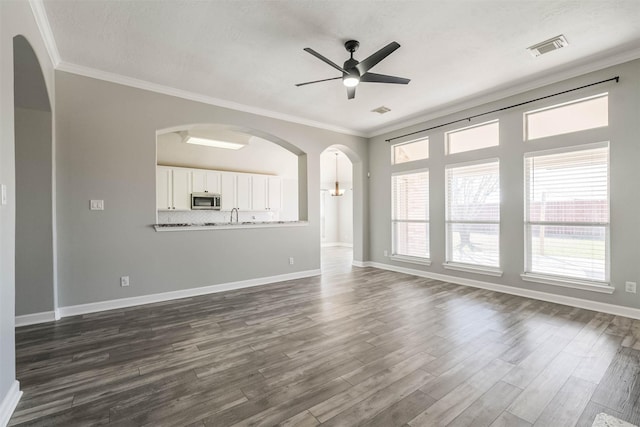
355	346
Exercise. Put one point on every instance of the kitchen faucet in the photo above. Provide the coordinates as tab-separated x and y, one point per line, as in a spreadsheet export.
237	213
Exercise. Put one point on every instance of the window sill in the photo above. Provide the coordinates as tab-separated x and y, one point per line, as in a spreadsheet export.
583	285
409	259
496	272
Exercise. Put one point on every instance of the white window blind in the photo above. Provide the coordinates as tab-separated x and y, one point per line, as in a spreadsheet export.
410	151
410	214
473	214
567	213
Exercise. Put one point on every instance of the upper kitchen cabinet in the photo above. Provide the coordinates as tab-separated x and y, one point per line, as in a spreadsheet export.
227	191
243	192
204	181
259	192
266	193
164	192
173	188
274	192
235	191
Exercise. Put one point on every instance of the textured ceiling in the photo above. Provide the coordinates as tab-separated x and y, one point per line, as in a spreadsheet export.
250	52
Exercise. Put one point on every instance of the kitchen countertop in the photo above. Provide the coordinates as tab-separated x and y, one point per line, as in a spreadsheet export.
227	225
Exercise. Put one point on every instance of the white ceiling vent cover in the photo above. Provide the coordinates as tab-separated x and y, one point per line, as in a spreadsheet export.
547	46
381	110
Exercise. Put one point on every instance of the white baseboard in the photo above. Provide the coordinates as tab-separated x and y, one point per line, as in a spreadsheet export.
336	244
356	263
9	403
166	296
617	310
32	319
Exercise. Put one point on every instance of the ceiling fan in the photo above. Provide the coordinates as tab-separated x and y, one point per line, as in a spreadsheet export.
354	72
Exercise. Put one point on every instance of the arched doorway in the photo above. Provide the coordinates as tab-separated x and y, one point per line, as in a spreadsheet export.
336	209
34	235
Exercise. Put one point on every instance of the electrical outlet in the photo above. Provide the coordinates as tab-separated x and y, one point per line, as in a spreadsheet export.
291	261
630	287
124	281
97	205
386	253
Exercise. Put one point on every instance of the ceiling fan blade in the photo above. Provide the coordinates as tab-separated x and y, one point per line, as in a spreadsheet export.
318	81
328	61
372	60
382	78
351	92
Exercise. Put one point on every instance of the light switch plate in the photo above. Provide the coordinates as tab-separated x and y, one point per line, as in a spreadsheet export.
97	205
4	194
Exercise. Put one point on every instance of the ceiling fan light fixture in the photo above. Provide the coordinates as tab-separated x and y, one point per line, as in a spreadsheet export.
351	80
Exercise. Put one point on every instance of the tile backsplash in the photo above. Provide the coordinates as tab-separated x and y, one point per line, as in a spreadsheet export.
202	216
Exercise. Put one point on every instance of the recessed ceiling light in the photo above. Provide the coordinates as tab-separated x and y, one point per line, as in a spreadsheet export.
216	139
547	46
381	110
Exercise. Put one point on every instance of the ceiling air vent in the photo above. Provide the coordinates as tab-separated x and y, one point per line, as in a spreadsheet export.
547	46
381	110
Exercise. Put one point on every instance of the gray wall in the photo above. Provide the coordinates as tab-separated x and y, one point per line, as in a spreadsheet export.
624	102
106	142
15	18
34	245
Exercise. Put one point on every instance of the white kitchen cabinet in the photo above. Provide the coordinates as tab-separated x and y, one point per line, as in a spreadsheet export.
243	192
259	192
173	188
181	189
274	200
203	181
266	193
163	188
228	191
247	192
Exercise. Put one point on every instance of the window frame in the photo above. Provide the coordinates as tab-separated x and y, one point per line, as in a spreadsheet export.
409	258
411	141
556	279
525	115
447	150
462	266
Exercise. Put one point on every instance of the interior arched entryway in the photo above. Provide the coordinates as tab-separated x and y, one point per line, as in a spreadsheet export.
336	209
34	238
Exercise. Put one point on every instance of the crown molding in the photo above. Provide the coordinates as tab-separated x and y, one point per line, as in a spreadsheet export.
40	15
192	96
42	21
587	66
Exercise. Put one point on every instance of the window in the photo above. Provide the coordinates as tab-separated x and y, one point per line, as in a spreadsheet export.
410	151
567	213
410	214
473	214
473	137
587	113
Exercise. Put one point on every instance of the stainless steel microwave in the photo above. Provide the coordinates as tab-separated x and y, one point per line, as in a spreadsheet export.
209	201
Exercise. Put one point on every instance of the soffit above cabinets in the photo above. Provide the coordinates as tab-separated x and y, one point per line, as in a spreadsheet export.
249	54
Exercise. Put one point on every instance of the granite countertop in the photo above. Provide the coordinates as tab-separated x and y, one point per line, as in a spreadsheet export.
226	225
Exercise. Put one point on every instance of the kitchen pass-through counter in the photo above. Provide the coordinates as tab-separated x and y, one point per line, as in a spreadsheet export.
227	225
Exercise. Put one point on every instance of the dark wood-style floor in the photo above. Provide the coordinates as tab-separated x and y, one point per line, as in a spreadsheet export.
353	346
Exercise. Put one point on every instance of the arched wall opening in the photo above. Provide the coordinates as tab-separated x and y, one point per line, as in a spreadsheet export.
266	176
34	234
341	217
